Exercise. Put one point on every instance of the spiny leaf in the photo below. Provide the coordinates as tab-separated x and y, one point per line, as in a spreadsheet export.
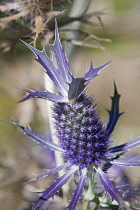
50	192
126	146
78	191
40	139
12	123
50	172
114	113
93	71
111	189
43	95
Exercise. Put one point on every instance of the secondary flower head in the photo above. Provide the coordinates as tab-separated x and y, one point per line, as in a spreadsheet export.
83	138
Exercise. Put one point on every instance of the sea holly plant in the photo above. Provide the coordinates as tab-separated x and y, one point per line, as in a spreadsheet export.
84	141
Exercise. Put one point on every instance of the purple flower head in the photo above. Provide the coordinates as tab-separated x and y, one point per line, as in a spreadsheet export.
83	138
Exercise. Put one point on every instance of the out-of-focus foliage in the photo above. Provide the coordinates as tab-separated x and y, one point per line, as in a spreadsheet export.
34	19
23	18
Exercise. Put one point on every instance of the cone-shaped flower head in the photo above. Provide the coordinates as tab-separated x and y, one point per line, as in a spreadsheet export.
80	132
83	139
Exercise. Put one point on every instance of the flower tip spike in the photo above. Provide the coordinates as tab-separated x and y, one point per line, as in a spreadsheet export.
56	30
94	71
49	67
34	50
57	42
43	95
12	123
63	68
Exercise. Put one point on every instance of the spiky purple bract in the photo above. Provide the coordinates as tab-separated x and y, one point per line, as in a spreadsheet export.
83	139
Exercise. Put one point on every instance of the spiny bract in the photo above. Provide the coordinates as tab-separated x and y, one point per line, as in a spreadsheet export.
83	139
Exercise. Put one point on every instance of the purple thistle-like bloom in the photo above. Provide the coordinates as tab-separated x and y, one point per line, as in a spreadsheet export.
83	138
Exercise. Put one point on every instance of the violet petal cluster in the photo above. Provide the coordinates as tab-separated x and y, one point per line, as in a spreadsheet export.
83	138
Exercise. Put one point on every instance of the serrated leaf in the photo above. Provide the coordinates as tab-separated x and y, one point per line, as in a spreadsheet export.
114	113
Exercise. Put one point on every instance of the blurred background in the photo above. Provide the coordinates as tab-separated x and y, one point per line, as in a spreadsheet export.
94	30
